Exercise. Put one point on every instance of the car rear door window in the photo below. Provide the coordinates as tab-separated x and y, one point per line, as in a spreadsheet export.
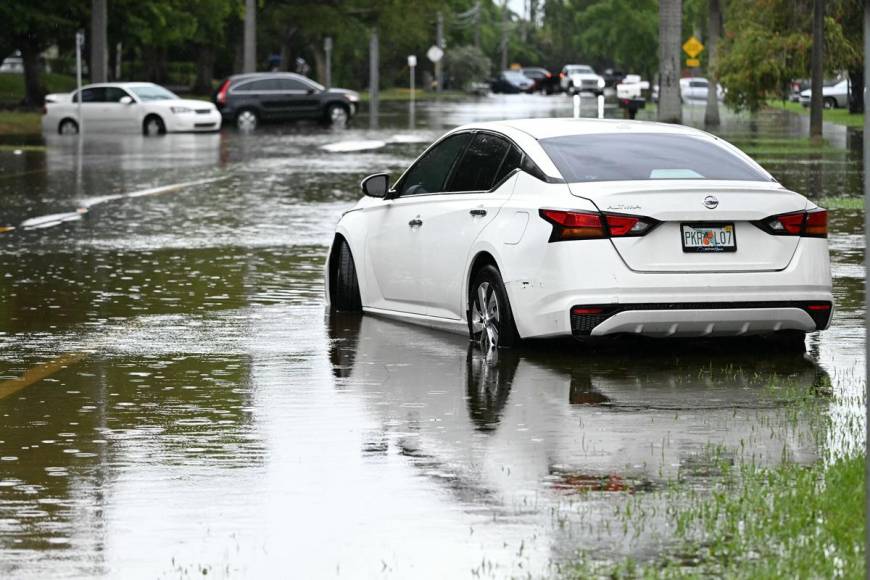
259	86
513	161
430	172
480	164
92	95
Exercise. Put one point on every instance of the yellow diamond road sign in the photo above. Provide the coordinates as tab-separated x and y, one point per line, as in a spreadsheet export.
693	47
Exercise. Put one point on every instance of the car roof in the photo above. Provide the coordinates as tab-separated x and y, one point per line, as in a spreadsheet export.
268	75
546	128
121	85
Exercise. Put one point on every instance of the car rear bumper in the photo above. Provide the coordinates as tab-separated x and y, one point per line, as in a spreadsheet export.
653	303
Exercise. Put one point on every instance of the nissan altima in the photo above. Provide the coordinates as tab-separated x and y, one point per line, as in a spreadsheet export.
587	228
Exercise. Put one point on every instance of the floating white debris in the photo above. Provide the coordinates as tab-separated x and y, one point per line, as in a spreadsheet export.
47	221
351	146
17	152
408	138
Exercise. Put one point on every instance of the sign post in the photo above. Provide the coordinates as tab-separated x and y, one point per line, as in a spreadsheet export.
412	64
435	54
80	42
327	48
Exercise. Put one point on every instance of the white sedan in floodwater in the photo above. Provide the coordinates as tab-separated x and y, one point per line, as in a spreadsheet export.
116	107
585	228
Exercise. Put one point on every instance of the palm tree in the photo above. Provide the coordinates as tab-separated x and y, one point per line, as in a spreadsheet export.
99	53
250	37
714	31
817	67
670	32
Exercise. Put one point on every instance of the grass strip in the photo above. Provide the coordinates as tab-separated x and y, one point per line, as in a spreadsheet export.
836	116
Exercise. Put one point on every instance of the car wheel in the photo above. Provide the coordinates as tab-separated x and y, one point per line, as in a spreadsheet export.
337	115
491	322
153	125
830	103
68	127
247	120
346	294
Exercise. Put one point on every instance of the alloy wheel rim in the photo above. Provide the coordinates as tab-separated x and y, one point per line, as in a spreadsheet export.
338	115
247	120
152	127
487	315
68	129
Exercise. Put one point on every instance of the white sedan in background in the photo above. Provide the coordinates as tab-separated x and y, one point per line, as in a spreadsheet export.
587	228
835	95
144	107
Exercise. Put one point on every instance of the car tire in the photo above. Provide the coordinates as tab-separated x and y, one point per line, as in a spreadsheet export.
345	297
490	319
68	127
247	120
830	103
153	125
337	115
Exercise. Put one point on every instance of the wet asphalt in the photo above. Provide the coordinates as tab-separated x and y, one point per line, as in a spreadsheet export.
176	401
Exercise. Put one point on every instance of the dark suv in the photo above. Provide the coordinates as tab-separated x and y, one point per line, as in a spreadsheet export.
248	99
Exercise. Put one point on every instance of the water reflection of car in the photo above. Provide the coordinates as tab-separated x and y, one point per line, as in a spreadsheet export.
249	99
545	81
586	228
512	82
144	107
835	95
577	78
468	410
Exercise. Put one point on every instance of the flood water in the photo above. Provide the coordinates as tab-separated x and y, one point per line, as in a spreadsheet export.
176	402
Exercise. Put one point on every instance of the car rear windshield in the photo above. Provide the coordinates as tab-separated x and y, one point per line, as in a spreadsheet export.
641	156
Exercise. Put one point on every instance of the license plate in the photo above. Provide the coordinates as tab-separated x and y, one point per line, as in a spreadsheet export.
708	238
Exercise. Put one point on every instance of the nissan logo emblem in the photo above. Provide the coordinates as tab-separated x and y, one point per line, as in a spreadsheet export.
710	202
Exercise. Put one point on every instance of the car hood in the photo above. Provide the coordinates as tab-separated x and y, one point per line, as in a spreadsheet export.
351	95
58	98
586	76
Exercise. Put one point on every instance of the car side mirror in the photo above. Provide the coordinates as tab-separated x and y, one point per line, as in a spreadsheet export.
376	185
126	100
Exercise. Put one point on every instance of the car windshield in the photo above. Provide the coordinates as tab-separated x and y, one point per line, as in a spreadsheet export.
152	93
644	156
580	70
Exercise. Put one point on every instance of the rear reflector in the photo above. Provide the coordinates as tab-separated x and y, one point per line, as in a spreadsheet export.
578	310
582	225
819	307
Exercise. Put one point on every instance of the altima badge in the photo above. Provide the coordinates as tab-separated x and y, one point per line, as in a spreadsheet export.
710	202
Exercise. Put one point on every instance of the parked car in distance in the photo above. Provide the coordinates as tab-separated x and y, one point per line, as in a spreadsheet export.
631	87
587	228
695	89
512	82
545	81
835	95
144	107
576	78
249	99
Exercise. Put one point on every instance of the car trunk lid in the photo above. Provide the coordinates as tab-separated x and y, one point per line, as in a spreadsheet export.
677	203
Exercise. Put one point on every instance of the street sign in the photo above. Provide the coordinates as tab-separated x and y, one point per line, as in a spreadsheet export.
693	62
434	53
412	60
693	47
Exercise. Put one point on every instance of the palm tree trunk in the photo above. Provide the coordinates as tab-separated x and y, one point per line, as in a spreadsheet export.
818	70
33	89
714	32
99	45
670	32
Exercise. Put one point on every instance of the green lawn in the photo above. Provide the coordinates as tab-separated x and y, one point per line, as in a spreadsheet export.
404	94
12	86
838	116
20	123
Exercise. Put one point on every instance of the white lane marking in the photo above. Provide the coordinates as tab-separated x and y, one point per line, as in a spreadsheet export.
47	221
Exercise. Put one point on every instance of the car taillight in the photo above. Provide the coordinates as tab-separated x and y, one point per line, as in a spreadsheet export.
583	225
561	75
807	224
222	92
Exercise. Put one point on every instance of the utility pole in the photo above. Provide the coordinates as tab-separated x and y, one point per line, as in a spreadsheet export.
374	77
439	42
817	66
80	42
670	33
714	30
504	36
327	49
866	263
99	66
250	37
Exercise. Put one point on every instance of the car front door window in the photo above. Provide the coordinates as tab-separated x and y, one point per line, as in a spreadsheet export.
430	173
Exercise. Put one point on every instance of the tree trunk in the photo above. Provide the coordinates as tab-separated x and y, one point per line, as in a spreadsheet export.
99	62
714	32
856	90
204	70
670	33
33	89
818	70
319	63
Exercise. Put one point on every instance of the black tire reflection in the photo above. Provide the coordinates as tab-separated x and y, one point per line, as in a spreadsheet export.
488	380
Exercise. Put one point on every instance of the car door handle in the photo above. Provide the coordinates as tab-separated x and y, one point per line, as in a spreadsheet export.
478	212
416	222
